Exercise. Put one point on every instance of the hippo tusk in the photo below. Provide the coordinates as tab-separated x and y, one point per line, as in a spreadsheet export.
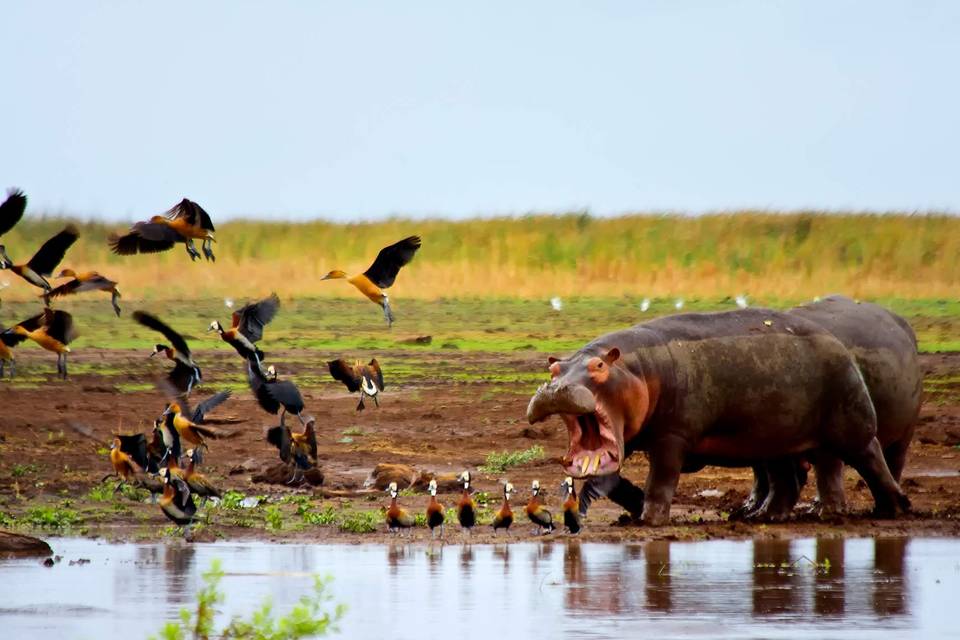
596	463
550	398
584	465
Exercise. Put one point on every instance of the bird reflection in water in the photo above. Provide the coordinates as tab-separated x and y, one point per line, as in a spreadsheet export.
178	564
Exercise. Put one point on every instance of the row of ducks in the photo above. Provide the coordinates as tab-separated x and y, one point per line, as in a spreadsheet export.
399	518
183	223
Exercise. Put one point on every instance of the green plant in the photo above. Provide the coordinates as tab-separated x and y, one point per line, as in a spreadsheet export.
360	521
20	470
232	500
310	618
323	518
500	462
51	517
102	492
273	516
6	521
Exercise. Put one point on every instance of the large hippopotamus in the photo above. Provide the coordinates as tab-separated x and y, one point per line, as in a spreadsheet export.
737	388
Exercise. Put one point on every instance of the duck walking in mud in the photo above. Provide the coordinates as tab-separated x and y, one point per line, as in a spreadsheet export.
537	513
504	516
398	518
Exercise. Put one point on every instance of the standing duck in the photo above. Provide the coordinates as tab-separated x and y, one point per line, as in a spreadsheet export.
571	506
177	501
466	507
8	340
537	513
248	323
44	261
272	394
504	517
382	273
397	517
185	373
299	449
52	330
435	514
123	464
184	222
199	484
365	378
89	281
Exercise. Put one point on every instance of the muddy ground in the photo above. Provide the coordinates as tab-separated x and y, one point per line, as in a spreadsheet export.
53	439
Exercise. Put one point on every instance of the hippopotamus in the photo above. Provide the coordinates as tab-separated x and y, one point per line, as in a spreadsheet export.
732	388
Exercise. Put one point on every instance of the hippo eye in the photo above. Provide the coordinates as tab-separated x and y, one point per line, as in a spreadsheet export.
600	365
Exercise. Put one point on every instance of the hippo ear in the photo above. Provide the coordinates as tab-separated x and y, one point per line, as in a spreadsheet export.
551	360
612	356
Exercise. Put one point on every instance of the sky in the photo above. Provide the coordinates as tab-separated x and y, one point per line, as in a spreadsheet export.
361	110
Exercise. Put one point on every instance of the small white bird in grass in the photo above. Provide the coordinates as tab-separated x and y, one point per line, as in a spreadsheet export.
678	304
741	301
228	303
645	305
556	303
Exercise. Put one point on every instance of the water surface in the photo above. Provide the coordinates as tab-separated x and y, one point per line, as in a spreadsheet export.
895	588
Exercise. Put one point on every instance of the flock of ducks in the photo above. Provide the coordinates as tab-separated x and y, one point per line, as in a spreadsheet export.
399	518
158	460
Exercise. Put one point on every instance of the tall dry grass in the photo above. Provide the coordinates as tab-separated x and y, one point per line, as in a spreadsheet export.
792	255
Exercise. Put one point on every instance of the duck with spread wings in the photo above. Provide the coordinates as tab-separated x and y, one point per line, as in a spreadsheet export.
185	373
184	222
365	378
382	273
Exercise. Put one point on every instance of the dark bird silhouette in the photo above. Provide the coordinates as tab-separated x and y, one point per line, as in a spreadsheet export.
44	261
184	222
365	378
53	330
11	211
81	282
185	373
272	394
247	329
382	273
298	449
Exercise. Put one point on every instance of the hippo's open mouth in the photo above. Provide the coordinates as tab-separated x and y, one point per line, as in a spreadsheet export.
593	449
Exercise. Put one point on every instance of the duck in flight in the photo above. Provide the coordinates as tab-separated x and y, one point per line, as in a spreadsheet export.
184	222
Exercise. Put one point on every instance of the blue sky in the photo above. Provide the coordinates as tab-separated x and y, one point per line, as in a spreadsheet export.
367	109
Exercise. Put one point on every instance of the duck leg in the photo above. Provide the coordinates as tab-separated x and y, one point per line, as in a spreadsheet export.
360	406
2	363
114	297
191	250
207	247
387	313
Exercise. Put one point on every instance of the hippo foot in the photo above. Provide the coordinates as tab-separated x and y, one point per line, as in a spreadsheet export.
827	509
778	514
656	515
899	505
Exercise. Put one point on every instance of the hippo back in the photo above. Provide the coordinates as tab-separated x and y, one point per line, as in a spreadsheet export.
885	349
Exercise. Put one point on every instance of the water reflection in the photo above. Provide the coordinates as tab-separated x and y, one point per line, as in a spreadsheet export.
549	587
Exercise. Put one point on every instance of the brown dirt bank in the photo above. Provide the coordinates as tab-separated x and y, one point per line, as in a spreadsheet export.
432	424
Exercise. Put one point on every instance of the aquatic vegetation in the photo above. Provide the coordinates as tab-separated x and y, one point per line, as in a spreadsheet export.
312	617
500	462
20	470
51	517
273	516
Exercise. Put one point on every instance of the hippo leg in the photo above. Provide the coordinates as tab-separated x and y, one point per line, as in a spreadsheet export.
666	460
888	499
830	496
784	490
615	487
896	455
761	486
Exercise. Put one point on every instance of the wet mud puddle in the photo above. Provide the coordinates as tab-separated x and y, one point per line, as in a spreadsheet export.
823	588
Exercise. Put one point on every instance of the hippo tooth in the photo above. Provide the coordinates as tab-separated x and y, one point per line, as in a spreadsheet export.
596	462
584	463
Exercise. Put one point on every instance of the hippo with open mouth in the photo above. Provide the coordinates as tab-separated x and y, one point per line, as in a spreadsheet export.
730	388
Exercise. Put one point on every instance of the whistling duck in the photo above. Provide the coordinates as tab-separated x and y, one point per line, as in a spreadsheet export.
89	281
168	436
199	484
299	449
184	222
44	261
248	323
571	506
435	513
147	455
11	211
52	330
504	517
272	394
187	429
537	513
365	378
8	340
177	501
185	373
397	517
466	507
123	464
382	273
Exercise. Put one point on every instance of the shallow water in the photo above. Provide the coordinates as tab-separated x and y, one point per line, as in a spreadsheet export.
894	588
